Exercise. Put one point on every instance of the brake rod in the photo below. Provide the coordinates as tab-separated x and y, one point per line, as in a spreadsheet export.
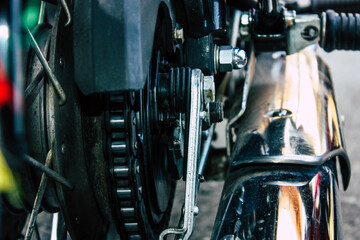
49	172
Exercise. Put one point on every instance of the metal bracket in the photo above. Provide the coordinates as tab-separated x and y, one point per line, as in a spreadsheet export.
193	153
246	88
303	31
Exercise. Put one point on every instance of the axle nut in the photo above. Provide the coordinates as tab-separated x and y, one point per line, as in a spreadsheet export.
225	58
231	58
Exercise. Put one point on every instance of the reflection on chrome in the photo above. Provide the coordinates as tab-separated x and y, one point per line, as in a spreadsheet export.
291	115
291	212
280	204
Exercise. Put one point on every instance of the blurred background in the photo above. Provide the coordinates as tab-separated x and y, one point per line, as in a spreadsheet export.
346	80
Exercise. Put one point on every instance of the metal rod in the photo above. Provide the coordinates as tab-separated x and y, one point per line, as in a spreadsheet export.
37	203
49	172
206	149
47	68
30	88
67	12
54	226
42	12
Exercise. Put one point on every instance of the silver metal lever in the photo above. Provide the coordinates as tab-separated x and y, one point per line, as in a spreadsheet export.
193	153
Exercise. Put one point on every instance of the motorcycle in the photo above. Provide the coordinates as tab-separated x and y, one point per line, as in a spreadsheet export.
115	103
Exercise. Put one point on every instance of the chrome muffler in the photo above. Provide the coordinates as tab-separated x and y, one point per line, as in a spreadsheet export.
282	181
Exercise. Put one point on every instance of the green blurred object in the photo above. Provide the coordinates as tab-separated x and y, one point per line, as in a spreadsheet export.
31	13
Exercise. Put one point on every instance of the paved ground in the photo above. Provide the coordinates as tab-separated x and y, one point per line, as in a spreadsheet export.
346	79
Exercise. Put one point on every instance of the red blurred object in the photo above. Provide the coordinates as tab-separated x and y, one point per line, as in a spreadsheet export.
5	87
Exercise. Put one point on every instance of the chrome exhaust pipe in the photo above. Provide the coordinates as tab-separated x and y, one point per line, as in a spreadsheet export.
276	202
283	168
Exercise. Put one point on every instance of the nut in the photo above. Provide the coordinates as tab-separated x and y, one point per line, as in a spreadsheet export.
231	58
225	58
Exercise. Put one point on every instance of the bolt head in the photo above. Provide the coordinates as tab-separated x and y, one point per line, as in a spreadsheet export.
239	58
244	19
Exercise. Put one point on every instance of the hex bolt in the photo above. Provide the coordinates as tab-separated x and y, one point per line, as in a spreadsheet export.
179	35
230	58
216	113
